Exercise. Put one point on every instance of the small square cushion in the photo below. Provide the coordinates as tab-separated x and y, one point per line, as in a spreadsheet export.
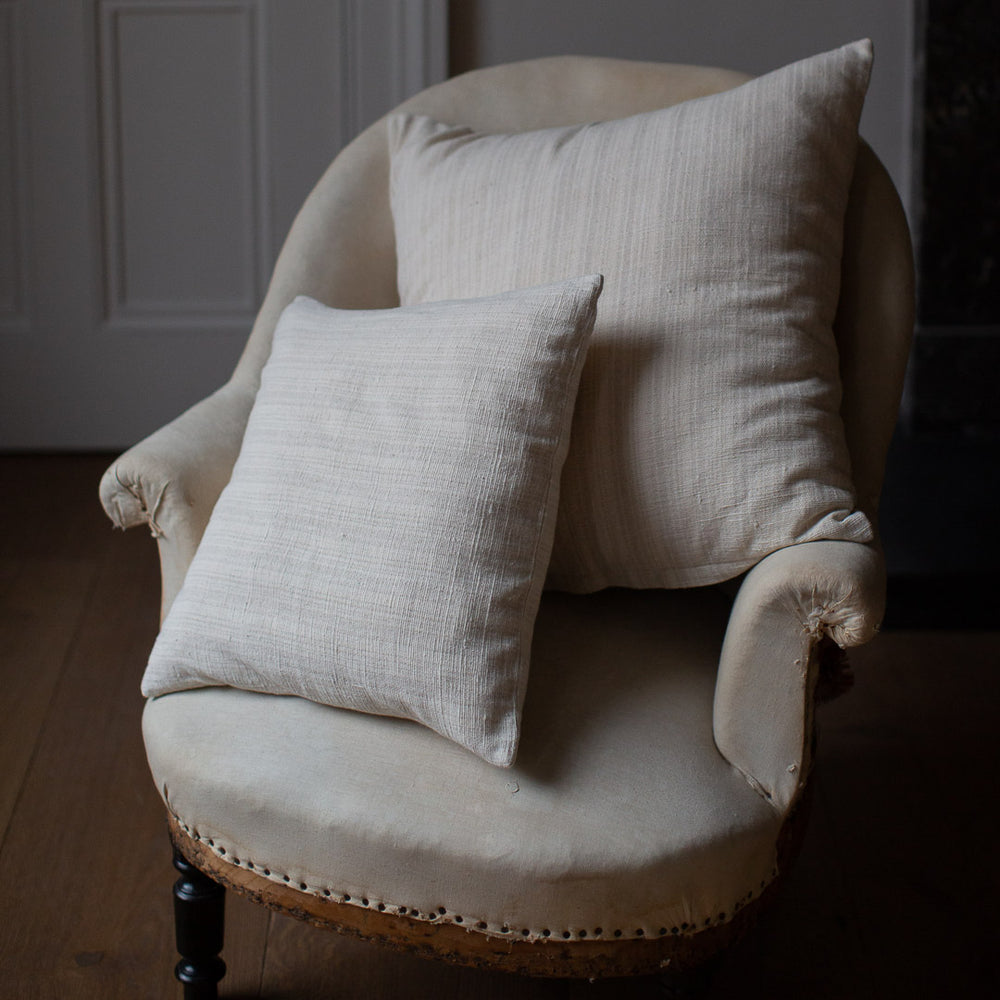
707	431
383	541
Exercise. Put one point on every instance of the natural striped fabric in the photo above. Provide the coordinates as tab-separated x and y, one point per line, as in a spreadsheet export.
707	431
383	542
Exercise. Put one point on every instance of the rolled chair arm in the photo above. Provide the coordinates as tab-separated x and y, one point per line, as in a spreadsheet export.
763	716
171	480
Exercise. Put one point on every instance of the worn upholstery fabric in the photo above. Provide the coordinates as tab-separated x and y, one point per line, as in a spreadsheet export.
619	813
708	431
788	602
384	538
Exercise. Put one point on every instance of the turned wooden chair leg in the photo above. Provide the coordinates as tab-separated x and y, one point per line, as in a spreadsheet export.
199	917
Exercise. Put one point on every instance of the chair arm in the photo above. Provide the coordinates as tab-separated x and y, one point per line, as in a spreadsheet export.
171	480
764	696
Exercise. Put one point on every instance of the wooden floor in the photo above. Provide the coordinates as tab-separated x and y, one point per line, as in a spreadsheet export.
896	894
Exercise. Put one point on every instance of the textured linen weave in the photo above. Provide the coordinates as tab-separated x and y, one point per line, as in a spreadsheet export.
707	432
383	541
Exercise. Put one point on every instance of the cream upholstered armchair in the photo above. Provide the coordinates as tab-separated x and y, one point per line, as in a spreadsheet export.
342	722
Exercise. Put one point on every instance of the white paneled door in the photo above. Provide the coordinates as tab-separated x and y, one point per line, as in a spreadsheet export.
152	156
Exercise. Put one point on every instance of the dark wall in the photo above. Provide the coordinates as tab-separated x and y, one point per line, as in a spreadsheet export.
940	505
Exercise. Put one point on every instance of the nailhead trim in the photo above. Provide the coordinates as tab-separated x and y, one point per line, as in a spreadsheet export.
443	915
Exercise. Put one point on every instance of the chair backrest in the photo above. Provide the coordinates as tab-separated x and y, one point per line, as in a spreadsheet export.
341	249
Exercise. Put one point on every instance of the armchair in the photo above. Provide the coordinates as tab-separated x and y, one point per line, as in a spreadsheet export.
667	732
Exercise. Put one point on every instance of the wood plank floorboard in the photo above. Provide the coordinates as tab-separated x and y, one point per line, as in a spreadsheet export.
912	786
41	607
894	895
87	833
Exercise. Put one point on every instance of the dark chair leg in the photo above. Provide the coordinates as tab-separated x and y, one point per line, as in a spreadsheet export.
199	917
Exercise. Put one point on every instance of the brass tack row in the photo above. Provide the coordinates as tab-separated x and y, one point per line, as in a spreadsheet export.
681	929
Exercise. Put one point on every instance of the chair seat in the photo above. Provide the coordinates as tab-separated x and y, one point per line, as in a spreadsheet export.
620	817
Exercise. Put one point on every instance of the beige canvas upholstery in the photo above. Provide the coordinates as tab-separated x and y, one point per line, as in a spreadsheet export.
618	814
684	714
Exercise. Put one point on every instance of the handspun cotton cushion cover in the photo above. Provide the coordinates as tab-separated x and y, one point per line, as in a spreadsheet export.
383	541
707	431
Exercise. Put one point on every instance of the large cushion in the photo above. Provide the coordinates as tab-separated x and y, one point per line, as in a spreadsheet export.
620	815
383	542
707	431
